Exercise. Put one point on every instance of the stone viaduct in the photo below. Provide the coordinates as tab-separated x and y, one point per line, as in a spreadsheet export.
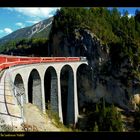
40	84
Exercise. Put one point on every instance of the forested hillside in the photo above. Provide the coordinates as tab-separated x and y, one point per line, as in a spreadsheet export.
26	47
120	33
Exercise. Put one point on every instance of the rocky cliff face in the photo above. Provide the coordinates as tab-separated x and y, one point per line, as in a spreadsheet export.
101	79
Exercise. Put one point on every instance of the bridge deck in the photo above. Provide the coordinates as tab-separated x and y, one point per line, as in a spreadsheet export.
7	61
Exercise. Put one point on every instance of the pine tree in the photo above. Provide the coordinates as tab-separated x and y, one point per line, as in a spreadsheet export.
96	129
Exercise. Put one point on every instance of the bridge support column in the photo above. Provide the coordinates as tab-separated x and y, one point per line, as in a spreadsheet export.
70	101
54	94
59	98
26	91
76	110
43	96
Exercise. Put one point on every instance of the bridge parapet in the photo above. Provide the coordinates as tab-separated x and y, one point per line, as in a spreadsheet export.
9	61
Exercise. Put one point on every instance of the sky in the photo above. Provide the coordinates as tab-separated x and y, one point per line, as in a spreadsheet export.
12	19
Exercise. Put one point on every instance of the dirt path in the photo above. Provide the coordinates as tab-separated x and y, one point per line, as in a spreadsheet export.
34	117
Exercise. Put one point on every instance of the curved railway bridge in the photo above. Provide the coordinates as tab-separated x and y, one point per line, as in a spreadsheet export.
39	80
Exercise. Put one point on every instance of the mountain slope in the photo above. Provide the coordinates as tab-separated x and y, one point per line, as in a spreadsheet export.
40	29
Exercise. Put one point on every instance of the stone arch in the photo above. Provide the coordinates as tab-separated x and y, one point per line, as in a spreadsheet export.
51	89
34	89
82	86
19	90
67	94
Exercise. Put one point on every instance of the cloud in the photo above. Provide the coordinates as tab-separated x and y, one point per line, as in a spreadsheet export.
130	15
35	12
8	30
32	21
21	25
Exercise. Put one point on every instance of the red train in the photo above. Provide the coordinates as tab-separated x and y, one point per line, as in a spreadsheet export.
7	61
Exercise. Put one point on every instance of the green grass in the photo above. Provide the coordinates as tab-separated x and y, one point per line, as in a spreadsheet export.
56	121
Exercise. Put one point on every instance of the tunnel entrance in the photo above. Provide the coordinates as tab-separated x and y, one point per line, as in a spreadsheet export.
34	89
20	90
67	94
51	89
